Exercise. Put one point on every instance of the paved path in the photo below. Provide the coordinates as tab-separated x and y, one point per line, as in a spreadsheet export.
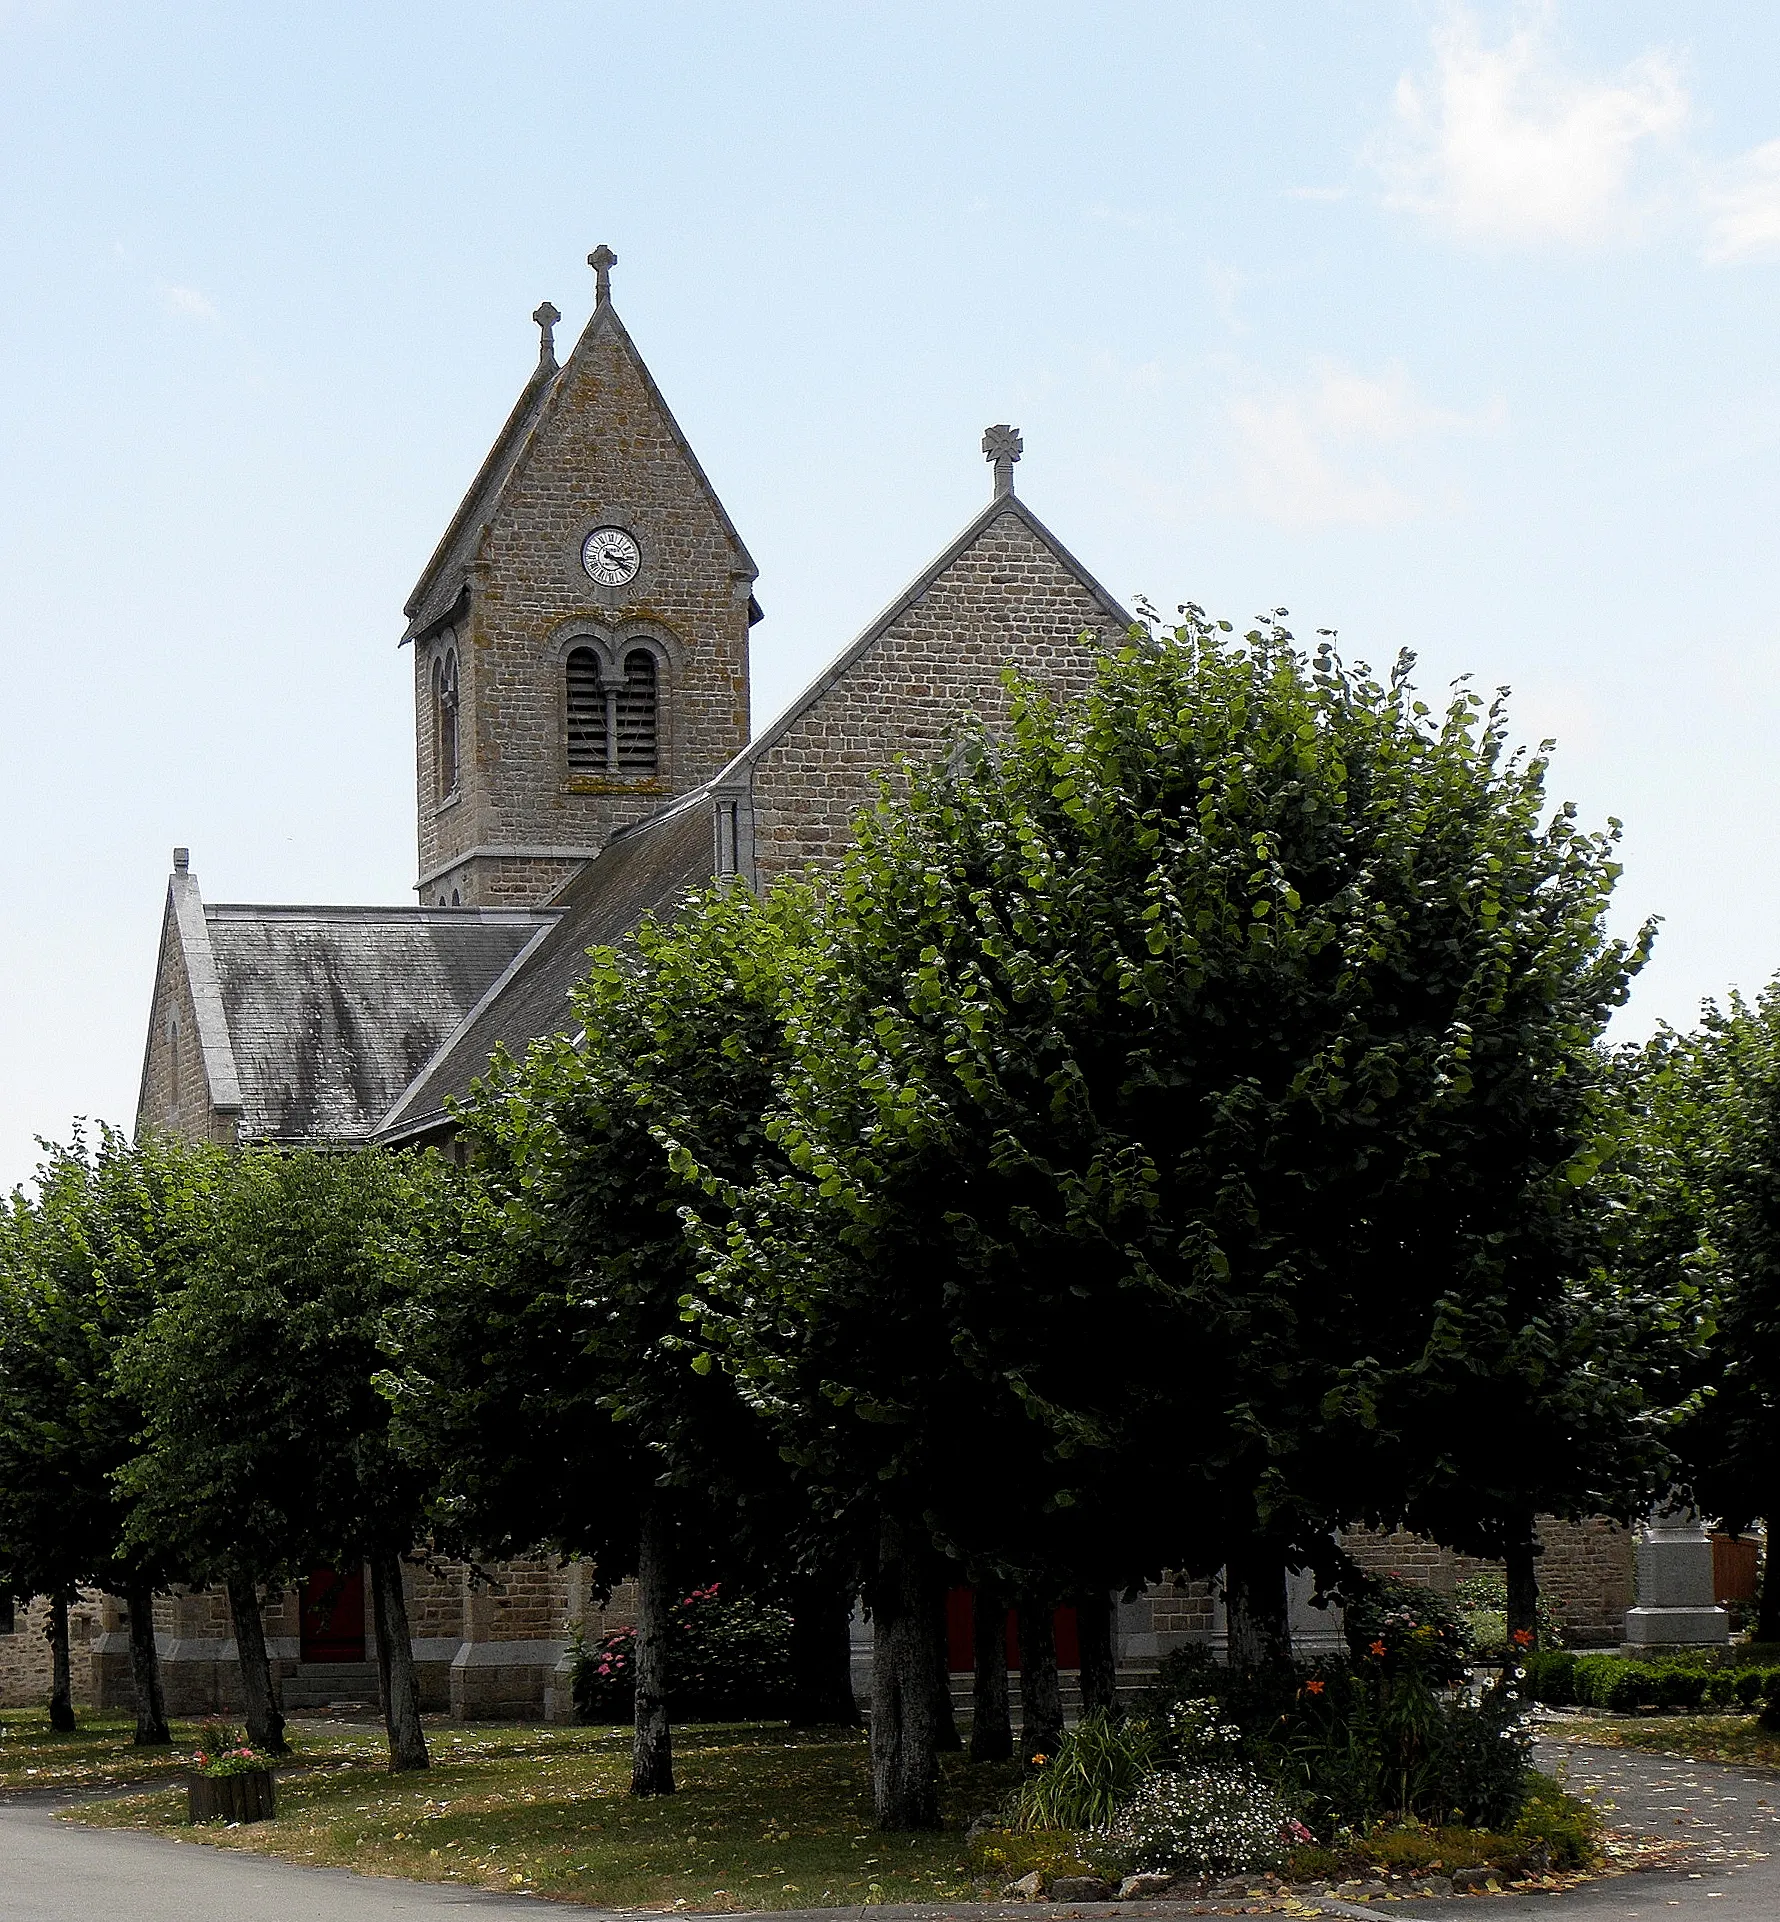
1726	1818
51	1871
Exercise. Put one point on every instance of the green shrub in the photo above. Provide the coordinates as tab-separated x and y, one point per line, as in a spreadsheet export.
1349	1744
1749	1685
1721	1688
1551	1677
1406	1628
1099	1764
1482	1602
727	1661
1593	1676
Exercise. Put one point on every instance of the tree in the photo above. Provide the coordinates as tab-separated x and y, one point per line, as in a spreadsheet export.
266	1447
1177	1073
547	1361
85	1262
1711	1218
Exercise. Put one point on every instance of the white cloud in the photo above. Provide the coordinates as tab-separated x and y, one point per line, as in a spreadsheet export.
186	302
1503	144
1743	207
1320	454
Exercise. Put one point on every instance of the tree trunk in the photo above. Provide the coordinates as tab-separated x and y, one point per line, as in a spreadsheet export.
652	1745
1041	1699
1520	1564
822	1654
265	1726
1767	1621
145	1668
904	1771
946	1739
395	1664
1255	1607
991	1725
1100	1669
61	1681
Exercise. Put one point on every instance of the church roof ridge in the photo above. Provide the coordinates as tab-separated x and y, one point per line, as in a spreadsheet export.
1001	504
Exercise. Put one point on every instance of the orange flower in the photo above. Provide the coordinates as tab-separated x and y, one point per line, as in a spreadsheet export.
1378	1648
1314	1688
1523	1638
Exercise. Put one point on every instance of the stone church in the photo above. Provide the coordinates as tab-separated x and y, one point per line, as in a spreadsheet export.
584	754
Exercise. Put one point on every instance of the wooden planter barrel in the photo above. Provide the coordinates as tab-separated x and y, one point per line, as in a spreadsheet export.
231	1798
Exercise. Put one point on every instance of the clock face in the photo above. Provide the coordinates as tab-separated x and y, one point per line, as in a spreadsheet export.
610	556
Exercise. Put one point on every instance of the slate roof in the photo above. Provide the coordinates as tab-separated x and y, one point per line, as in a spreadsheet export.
331	1012
648	866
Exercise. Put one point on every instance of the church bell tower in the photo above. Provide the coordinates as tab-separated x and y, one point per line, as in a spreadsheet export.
581	632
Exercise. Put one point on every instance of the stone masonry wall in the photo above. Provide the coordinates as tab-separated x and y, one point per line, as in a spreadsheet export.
1006	601
1587	1570
603	454
175	1092
24	1654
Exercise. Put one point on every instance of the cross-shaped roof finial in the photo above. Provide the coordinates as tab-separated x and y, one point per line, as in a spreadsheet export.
602	260
1003	446
547	317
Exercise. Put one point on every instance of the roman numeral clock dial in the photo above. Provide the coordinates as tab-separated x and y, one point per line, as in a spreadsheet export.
610	556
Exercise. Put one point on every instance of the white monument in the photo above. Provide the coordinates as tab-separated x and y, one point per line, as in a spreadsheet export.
1675	1607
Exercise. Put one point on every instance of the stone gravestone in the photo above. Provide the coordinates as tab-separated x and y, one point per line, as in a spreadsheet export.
1676	1607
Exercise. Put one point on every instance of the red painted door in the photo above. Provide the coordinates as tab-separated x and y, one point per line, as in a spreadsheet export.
334	1616
961	1641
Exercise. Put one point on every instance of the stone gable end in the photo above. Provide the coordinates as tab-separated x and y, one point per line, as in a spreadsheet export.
1007	600
603	451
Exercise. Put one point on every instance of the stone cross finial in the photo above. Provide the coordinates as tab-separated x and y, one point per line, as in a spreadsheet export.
602	260
182	860
1003	446
547	317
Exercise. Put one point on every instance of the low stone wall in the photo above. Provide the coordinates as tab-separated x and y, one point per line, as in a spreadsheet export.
1588	1571
24	1654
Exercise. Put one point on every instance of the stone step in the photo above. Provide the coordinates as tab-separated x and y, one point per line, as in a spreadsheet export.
316	1684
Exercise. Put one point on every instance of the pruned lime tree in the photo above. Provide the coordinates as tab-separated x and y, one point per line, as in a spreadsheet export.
1184	1096
105	1240
265	1446
546	1360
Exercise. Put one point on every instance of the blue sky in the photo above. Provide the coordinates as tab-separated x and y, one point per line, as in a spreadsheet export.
1447	327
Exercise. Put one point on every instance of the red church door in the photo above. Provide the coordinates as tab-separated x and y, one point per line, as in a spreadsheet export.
961	1640
333	1628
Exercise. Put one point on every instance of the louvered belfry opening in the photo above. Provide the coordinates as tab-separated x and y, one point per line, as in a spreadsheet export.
587	711
636	714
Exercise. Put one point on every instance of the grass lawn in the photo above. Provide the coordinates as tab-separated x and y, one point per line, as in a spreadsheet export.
764	1820
1702	1738
101	1752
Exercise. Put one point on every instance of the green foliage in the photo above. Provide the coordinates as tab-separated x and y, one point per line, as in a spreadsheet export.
87	1262
1351	1744
265	1445
547	1361
1482	1602
1098	1765
1406	1628
1626	1684
223	1749
1246	1011
729	1660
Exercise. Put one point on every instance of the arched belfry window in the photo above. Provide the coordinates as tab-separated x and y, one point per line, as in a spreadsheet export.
588	733
445	758
636	714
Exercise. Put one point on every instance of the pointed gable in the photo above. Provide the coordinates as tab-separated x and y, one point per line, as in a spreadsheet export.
578	704
189	1081
1006	593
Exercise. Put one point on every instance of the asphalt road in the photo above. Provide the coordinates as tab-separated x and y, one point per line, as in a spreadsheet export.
1726	1819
